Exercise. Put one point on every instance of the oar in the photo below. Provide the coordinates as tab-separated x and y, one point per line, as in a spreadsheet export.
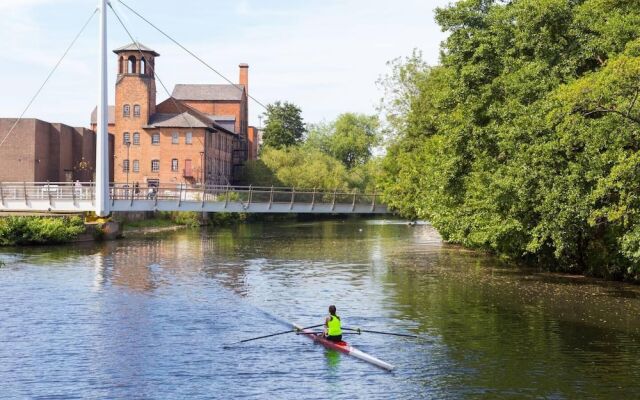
279	333
358	330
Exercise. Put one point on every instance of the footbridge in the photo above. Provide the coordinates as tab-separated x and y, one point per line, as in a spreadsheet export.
75	197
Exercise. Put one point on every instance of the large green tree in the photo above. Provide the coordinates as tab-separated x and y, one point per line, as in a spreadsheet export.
524	140
351	138
284	125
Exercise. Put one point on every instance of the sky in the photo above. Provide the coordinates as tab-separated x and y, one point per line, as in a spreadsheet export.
323	55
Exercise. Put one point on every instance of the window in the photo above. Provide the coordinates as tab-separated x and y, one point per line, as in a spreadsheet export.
125	165
126	138
155	138
155	165
136	138
189	138
174	164
175	138
136	110
143	66
131	67
126	110
136	166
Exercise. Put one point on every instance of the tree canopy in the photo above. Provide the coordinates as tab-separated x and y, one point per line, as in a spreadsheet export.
333	155
524	140
350	138
284	125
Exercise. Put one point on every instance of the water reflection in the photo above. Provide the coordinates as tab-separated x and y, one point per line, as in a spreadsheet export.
149	317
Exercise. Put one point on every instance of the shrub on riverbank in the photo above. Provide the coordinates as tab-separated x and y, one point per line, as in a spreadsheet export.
39	230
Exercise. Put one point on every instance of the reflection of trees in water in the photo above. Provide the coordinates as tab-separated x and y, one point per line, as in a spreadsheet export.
517	324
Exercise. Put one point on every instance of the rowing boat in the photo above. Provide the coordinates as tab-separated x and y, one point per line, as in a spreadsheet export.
343	347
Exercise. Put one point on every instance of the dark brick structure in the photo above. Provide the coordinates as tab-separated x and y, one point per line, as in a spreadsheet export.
39	151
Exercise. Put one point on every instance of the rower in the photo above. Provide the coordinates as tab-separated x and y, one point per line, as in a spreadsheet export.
332	327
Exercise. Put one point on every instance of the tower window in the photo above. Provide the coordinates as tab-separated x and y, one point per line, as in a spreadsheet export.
131	65
126	110
136	166
136	110
143	66
155	165
155	138
174	164
136	138
126	138
175	138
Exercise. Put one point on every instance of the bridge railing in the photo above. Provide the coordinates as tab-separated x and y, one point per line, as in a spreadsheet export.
244	194
51	191
180	192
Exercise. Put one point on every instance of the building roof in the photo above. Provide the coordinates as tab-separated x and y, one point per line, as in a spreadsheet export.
112	115
208	92
186	117
134	47
183	120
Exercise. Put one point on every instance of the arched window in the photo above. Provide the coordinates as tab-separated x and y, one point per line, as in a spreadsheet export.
121	64
136	138
143	66
131	65
136	110
126	110
126	138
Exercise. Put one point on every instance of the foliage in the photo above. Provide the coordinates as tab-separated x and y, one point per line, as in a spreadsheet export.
220	219
350	138
334	155
284	125
39	230
297	167
524	141
192	219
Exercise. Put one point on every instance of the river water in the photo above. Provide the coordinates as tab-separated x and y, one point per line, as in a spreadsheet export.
157	317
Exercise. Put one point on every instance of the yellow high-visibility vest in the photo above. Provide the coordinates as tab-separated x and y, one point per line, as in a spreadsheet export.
334	326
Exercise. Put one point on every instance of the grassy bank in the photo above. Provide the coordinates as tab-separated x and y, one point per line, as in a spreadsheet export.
19	230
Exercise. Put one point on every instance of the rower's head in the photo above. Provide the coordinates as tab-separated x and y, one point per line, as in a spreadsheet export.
332	309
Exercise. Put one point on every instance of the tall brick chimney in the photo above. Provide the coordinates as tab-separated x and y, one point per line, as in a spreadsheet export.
244	76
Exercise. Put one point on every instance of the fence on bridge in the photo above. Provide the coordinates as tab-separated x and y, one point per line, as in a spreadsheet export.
74	197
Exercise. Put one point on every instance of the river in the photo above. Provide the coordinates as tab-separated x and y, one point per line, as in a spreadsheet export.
157	317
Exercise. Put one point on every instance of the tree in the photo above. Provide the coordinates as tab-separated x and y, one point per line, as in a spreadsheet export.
284	125
298	167
351	138
524	140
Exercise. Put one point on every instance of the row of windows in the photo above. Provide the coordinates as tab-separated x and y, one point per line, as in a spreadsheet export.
126	110
155	138
155	165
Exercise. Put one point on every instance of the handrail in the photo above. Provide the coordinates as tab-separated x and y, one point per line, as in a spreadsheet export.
258	198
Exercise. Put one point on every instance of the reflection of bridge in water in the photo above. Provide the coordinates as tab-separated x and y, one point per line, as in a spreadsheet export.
78	197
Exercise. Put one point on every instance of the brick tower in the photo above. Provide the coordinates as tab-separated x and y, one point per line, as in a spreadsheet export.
135	102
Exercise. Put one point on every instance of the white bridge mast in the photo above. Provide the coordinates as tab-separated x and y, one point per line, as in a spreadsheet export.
102	135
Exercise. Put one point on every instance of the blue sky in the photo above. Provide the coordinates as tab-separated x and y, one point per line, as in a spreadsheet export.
323	55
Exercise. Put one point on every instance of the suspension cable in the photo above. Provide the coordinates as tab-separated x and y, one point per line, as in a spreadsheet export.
155	74
239	87
73	42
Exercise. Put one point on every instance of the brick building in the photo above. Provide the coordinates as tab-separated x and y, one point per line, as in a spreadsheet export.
39	151
198	135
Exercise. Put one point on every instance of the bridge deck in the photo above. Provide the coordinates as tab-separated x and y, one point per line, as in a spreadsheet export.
77	197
